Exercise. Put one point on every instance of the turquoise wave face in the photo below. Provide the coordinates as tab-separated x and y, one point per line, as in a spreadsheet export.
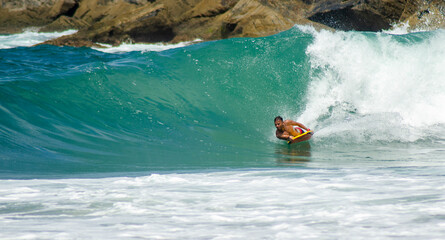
211	105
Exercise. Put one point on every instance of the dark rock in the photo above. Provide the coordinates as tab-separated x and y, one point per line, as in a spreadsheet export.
349	19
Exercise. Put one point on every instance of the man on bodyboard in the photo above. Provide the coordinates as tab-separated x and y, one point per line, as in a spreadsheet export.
291	131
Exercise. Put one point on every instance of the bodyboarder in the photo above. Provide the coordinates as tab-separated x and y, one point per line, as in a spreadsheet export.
291	131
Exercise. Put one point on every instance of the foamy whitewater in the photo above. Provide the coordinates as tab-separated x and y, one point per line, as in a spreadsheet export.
156	47
177	141
29	38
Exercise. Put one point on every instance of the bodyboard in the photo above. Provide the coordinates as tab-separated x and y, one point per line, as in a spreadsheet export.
302	137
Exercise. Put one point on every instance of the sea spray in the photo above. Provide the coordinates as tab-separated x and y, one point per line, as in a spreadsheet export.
388	86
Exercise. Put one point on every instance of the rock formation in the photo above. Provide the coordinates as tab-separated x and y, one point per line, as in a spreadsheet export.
148	21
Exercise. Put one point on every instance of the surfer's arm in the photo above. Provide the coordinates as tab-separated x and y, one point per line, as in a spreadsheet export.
283	136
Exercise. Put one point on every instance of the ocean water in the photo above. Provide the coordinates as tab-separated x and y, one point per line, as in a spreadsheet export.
177	141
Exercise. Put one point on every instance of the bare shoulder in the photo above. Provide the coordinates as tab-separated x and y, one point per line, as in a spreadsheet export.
287	122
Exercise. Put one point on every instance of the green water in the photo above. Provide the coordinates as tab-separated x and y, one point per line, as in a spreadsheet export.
206	106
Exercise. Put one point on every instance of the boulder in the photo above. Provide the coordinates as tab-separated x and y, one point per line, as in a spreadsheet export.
172	21
18	15
424	15
63	23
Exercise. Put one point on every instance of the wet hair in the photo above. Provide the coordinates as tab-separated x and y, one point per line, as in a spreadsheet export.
278	118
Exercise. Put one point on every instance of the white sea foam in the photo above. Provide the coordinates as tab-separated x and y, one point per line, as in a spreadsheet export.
377	82
142	47
32	37
29	38
271	204
404	28
400	29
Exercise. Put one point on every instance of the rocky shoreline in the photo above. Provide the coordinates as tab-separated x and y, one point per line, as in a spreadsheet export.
170	21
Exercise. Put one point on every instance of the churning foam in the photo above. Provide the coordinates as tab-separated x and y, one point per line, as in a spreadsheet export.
29	38
266	204
142	47
393	80
32	37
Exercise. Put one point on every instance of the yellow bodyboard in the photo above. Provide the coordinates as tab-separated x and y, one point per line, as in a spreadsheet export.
298	136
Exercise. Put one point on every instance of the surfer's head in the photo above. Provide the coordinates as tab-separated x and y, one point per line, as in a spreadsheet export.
279	122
